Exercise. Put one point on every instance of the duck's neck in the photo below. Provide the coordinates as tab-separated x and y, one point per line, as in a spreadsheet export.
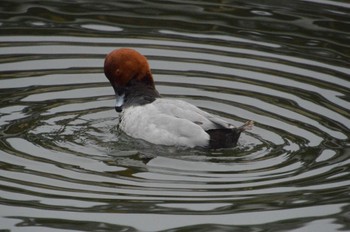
140	95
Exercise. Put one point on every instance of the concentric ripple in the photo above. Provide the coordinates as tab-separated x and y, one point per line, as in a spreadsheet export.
65	165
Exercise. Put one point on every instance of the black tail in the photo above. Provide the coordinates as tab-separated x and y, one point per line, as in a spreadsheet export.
227	137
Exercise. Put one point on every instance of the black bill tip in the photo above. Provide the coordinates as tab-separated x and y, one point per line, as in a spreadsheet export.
118	109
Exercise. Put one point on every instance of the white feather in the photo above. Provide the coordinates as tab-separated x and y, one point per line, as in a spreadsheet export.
169	122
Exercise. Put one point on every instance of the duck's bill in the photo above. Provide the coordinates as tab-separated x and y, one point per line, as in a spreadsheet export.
119	102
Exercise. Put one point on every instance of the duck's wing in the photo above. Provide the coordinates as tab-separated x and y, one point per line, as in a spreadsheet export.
185	110
176	122
221	133
156	126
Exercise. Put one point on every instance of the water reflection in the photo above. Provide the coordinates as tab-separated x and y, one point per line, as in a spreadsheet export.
66	166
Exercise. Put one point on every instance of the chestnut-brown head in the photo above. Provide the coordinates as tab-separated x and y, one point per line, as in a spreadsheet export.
125	66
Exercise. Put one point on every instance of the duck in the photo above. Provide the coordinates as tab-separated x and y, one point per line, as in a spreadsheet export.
145	115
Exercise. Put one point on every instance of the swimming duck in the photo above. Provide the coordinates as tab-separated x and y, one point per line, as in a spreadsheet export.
146	115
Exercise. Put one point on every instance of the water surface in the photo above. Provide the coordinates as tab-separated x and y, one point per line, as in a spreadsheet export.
283	64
